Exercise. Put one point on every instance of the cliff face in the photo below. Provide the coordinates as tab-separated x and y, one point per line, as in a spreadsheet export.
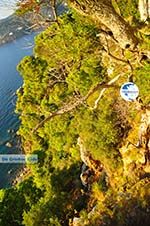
12	28
93	146
107	136
15	26
144	9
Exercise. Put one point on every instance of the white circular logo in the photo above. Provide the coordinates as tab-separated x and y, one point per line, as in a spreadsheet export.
129	91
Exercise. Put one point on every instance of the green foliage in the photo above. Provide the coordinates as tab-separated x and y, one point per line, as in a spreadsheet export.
16	200
72	46
97	129
12	198
129	8
67	64
142	74
40	214
121	208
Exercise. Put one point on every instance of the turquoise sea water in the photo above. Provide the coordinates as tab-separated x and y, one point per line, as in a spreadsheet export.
10	81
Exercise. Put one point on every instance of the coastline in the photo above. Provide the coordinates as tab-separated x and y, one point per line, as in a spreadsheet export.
14	26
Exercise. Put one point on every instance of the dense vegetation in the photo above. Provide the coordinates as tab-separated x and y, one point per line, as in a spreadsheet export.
68	61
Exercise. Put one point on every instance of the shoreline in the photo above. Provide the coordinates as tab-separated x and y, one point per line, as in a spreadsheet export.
14	27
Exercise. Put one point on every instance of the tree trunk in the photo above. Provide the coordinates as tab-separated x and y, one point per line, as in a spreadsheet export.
104	12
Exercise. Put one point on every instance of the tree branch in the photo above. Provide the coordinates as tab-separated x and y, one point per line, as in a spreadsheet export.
104	89
116	58
71	106
104	12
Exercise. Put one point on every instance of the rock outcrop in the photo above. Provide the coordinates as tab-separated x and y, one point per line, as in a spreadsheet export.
144	134
144	9
91	169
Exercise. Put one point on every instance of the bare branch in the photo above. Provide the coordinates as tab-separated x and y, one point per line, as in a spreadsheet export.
116	58
104	89
68	107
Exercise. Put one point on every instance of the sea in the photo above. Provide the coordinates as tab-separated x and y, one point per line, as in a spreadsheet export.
10	81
